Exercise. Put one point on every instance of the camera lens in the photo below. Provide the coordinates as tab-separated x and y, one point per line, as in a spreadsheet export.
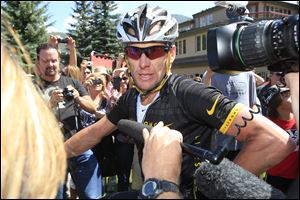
267	42
244	45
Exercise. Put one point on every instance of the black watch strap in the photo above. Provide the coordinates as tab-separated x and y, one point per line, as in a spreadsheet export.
168	186
160	187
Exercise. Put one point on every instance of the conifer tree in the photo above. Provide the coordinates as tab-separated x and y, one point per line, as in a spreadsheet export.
28	20
104	25
95	28
81	29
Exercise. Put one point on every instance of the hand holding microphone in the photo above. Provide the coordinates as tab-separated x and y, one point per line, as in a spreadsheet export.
162	158
162	154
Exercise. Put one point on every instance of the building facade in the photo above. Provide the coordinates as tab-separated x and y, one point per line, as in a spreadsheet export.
192	41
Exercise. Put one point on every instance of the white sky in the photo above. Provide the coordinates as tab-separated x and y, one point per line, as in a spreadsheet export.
60	11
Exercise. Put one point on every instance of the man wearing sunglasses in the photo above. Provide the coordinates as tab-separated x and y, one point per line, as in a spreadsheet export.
181	104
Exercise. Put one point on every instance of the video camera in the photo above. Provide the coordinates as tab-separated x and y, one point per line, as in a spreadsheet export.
243	45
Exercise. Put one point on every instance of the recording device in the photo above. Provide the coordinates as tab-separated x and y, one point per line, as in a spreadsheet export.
116	83
62	40
97	81
221	181
90	66
244	45
68	94
229	181
135	130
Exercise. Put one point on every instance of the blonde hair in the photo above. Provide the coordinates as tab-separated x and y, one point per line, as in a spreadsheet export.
33	159
73	72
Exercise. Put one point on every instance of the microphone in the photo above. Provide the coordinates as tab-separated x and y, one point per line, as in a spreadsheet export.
135	129
229	181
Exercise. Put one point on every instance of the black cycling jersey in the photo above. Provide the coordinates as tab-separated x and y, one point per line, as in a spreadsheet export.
187	106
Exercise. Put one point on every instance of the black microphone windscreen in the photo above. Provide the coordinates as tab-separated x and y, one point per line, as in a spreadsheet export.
229	180
133	129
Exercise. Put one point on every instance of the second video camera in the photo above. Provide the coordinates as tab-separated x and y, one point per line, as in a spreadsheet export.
245	45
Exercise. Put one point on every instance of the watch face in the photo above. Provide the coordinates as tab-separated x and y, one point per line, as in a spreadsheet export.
149	188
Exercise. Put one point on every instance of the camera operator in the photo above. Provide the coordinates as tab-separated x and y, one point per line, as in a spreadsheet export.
66	96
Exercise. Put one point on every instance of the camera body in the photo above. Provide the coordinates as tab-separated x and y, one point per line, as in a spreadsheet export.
116	83
244	45
97	81
62	40
68	94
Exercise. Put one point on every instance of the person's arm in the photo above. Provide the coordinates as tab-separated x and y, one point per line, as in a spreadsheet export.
206	80
162	156
72	48
88	137
258	79
265	143
292	81
86	103
53	40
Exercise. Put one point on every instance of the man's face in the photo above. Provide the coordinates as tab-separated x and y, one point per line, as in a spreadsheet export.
48	64
147	72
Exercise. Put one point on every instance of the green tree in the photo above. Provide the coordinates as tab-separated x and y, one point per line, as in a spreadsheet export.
28	20
104	28
81	29
95	28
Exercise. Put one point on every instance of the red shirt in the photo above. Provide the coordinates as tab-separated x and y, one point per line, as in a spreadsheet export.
289	167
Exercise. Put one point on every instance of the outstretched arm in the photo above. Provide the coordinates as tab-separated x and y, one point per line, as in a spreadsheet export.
72	48
88	137
265	143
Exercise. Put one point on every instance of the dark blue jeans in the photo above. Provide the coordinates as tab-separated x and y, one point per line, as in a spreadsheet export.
85	172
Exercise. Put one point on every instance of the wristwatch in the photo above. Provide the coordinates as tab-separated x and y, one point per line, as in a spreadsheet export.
154	187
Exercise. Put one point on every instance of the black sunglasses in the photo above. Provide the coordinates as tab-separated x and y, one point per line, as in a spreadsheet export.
152	52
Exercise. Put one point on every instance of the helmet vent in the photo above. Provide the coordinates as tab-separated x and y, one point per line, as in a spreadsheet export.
128	29
171	31
156	27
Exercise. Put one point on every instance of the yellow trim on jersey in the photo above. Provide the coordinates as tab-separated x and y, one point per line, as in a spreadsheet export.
230	118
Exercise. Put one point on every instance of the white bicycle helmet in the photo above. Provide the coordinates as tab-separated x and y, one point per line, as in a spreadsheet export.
147	24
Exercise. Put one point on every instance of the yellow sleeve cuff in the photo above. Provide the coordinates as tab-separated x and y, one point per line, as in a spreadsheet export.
230	118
